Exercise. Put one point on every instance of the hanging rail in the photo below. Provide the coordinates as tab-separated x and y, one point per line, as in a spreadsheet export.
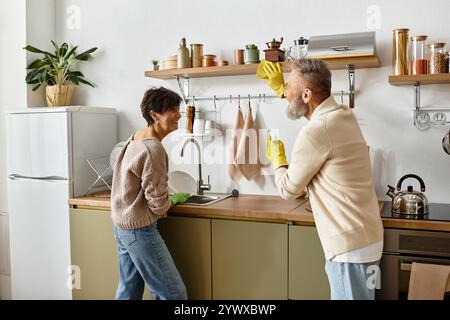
183	84
261	96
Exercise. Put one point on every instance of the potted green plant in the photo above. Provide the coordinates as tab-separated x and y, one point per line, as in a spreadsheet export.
155	65
251	54
54	70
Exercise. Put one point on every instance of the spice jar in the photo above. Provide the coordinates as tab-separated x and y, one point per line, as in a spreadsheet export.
436	57
196	55
400	47
239	56
419	61
209	60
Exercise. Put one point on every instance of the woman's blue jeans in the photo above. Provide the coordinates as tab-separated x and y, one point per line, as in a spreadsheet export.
145	259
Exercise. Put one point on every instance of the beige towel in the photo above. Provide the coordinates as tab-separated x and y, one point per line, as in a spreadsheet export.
247	156
428	281
233	169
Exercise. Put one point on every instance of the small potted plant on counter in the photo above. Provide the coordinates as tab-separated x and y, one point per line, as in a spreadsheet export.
54	70
251	54
155	65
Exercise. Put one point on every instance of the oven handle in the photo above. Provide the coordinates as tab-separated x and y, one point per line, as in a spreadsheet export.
405	266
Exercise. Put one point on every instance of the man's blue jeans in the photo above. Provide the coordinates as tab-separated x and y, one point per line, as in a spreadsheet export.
145	259
352	281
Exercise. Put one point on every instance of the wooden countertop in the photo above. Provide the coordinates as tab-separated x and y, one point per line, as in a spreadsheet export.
254	207
260	208
245	206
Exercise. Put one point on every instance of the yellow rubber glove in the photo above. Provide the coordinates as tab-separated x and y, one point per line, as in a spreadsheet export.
260	73
274	72
275	153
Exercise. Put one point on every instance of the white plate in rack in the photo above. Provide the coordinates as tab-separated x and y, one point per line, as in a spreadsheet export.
180	181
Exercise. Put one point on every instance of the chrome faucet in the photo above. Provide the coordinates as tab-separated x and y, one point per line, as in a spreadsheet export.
200	185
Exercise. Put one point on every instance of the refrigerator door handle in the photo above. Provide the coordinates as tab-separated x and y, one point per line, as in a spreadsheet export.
18	176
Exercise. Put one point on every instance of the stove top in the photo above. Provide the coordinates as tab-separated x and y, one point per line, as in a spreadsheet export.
438	211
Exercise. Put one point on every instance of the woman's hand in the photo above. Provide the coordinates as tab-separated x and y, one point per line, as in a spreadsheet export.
179	198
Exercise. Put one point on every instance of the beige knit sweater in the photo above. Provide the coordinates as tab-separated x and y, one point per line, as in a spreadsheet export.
331	160
140	194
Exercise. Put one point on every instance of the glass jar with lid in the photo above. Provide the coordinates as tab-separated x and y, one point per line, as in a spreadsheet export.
436	57
418	59
400	47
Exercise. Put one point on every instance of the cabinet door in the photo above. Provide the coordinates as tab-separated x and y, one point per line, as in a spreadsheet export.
249	260
189	243
307	277
4	245
94	251
3	175
5	287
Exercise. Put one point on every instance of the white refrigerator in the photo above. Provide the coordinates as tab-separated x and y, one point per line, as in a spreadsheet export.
47	149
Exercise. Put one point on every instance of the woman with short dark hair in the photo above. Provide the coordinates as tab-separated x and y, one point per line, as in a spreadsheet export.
140	197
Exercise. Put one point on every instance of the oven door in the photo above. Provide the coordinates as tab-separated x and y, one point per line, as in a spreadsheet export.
395	271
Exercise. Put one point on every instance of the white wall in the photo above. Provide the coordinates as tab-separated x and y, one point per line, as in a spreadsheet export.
40	26
132	33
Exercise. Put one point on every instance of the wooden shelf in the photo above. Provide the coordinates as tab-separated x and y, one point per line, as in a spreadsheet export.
370	61
420	79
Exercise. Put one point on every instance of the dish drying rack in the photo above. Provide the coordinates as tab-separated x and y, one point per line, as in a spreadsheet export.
104	169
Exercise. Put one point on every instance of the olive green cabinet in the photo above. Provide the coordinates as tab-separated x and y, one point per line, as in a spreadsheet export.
307	277
94	255
217	258
189	242
249	260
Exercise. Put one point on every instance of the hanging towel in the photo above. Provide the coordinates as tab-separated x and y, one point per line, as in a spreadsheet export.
233	169
428	281
247	156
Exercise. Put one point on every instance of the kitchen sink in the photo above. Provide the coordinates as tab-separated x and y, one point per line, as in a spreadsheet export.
204	200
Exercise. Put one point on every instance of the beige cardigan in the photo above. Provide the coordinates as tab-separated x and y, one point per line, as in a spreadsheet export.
331	160
140	194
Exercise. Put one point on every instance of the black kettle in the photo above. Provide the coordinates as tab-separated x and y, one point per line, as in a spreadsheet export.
408	202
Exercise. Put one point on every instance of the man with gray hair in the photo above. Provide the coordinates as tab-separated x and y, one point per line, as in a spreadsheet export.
330	160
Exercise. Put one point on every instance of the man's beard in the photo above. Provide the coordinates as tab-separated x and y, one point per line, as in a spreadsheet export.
297	109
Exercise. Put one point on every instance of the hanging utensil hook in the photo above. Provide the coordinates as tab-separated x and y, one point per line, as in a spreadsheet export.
215	106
